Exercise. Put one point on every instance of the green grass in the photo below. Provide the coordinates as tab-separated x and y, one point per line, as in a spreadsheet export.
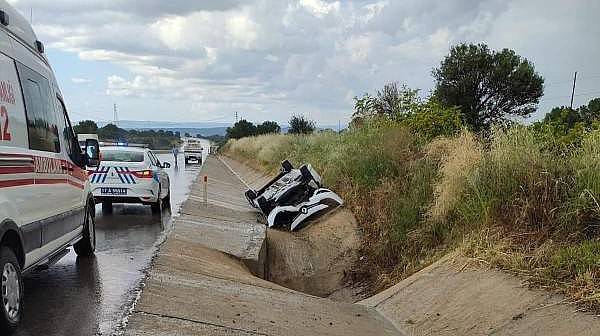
511	200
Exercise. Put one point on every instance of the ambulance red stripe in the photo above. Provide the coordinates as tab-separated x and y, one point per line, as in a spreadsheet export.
26	182
16	170
42	164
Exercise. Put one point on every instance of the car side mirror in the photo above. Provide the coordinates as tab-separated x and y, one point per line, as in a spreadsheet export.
92	153
166	165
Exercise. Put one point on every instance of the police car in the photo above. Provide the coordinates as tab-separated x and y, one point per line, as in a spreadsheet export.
130	175
46	204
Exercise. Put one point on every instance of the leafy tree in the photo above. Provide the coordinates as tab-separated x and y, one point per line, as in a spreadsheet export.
392	101
591	112
488	86
268	127
364	107
112	132
86	127
432	120
241	129
301	125
564	127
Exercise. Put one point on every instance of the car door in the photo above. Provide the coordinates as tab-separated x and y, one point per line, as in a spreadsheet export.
73	165
163	177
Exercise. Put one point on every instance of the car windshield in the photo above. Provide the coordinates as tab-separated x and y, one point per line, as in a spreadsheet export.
122	156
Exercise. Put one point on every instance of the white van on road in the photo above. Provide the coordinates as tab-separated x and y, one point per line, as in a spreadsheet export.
46	204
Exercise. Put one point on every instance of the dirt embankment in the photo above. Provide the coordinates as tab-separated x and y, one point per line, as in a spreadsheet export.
317	259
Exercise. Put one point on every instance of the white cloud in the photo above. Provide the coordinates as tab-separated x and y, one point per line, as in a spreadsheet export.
77	80
273	58
320	8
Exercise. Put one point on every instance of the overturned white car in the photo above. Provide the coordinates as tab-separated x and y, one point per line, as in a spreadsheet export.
293	197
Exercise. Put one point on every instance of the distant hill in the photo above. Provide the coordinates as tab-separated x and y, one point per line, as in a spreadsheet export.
192	128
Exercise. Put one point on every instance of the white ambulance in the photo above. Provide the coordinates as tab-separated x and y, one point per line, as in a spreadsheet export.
46	204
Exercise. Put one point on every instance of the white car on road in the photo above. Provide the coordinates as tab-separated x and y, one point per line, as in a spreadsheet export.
130	175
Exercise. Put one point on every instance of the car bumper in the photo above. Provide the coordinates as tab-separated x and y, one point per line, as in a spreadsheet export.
137	194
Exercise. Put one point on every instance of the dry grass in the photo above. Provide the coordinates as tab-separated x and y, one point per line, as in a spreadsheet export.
511	202
458	158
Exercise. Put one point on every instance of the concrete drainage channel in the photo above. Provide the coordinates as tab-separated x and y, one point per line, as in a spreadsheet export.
209	276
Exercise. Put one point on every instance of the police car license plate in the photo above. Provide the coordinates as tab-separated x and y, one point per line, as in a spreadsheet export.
113	191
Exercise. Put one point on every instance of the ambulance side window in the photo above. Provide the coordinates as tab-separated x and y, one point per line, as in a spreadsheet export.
41	119
68	137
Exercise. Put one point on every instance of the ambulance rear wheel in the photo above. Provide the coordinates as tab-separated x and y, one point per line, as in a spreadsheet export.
87	245
11	295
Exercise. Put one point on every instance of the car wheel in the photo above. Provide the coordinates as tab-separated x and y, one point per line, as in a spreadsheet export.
157	206
11	291
87	245
167	200
107	207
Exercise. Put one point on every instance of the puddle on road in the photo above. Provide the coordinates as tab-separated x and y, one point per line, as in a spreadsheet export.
90	296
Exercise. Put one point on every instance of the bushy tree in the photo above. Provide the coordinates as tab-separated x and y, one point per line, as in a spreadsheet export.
489	86
112	132
431	120
301	125
241	129
392	101
268	127
86	127
564	126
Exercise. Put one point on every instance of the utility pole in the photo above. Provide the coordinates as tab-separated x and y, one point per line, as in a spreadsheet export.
236	117
339	126
573	92
115	116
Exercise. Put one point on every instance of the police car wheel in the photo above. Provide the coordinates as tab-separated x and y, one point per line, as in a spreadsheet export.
87	245
167	200
11	291
157	206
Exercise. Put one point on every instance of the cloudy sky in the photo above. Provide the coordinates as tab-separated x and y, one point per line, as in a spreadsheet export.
202	60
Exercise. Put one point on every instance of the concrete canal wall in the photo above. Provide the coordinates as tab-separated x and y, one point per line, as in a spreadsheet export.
207	278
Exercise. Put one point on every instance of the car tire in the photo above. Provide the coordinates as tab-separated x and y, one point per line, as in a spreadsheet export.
11	281
167	200
87	245
157	206
107	207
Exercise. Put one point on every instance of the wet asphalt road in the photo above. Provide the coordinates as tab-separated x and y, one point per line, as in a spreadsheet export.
91	296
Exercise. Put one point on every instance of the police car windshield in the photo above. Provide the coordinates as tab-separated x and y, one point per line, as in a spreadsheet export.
122	156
